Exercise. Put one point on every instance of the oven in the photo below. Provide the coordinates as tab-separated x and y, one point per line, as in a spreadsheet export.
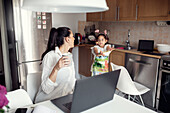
163	91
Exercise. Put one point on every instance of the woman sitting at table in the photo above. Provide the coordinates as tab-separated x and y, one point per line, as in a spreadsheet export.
58	74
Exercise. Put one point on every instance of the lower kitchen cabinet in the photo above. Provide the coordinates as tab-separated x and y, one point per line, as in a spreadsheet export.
85	60
117	58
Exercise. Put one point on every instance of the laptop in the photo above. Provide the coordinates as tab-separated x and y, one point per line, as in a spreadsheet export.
89	92
146	45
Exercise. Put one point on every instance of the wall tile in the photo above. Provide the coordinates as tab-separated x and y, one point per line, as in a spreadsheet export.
139	31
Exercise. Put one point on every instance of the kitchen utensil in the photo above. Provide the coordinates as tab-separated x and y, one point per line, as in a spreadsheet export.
163	48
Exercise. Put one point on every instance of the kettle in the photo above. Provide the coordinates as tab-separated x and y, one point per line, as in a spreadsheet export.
78	38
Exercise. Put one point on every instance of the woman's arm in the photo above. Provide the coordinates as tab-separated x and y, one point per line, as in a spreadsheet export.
63	62
50	73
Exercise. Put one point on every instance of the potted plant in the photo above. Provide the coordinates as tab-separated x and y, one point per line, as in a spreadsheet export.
3	100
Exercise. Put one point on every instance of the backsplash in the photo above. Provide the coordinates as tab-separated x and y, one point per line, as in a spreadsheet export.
118	32
82	24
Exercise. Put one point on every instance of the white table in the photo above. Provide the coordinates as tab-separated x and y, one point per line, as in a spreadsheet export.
117	105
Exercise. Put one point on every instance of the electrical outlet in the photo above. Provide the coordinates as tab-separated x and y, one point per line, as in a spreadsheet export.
161	23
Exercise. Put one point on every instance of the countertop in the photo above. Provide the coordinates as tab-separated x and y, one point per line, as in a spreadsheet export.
132	51
113	106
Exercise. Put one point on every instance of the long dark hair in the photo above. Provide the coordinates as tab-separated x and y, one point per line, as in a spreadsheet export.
56	38
105	36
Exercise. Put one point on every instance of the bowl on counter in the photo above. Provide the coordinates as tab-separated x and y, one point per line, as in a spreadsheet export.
163	48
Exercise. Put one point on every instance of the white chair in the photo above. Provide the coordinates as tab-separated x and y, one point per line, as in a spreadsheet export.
127	86
18	98
33	83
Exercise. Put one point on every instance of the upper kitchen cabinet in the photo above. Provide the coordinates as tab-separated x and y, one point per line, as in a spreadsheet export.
111	14
119	10
94	16
127	10
153	10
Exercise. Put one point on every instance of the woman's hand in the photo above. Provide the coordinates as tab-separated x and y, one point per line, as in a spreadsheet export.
63	62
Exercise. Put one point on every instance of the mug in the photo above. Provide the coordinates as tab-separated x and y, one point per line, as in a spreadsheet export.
69	57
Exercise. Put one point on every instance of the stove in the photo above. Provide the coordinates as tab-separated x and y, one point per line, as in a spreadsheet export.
166	62
163	90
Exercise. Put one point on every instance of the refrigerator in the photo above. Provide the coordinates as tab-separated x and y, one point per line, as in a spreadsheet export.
31	37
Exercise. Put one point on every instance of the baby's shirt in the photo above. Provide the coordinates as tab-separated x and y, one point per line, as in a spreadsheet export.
100	64
100	49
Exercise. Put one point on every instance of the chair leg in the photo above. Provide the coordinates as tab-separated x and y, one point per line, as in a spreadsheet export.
128	97
134	98
141	100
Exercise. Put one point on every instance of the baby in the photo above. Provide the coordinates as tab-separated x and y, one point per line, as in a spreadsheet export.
101	53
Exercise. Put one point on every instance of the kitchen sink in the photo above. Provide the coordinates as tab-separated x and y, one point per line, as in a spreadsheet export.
124	47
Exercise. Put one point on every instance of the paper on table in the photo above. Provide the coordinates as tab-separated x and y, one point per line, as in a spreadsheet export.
43	109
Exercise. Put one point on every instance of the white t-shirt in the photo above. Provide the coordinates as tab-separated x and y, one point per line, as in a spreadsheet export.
100	48
65	80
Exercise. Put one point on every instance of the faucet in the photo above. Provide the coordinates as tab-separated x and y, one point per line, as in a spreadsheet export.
128	41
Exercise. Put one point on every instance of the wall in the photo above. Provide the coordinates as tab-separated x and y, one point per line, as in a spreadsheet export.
82	24
69	20
138	30
118	32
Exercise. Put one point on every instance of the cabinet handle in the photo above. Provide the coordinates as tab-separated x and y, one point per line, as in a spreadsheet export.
136	11
118	13
139	62
166	71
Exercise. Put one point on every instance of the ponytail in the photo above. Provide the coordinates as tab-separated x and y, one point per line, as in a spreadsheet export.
56	38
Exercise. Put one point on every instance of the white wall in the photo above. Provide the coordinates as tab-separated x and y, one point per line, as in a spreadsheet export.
69	20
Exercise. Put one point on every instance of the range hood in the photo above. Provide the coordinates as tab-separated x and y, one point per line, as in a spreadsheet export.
65	6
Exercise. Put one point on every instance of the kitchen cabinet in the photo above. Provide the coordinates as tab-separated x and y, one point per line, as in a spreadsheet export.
127	10
132	10
85	60
109	15
153	10
117	58
119	10
94	16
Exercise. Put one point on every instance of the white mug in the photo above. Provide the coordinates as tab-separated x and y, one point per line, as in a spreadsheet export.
69	57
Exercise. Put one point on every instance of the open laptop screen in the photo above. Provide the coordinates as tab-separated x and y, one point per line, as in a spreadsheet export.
146	45
90	92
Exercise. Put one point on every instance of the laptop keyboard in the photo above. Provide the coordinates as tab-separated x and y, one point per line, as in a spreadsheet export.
68	105
151	53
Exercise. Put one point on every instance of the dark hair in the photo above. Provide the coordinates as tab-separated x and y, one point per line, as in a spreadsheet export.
105	36
56	38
